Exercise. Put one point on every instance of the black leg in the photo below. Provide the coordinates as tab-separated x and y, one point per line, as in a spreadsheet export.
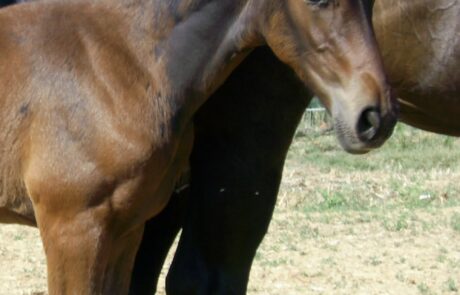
242	136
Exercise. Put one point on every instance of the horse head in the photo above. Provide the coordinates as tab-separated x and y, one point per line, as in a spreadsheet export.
331	46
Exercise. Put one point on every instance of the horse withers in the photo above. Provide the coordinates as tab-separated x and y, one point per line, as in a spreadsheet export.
97	100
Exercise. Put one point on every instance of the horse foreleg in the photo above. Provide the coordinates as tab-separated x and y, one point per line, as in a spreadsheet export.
91	214
85	256
90	230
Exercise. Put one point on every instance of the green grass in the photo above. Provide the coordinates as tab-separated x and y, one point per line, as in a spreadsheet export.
416	169
401	222
451	285
424	289
408	148
393	215
455	222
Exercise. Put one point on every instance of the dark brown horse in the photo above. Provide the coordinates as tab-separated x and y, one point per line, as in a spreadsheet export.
420	41
97	100
7	2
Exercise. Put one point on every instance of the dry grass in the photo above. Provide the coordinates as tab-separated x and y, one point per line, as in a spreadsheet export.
384	223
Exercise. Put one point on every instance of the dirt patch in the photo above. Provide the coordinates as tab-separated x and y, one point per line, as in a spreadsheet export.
22	261
305	254
352	256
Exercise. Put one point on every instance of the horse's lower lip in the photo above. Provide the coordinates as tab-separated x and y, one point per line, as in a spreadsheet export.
358	151
355	144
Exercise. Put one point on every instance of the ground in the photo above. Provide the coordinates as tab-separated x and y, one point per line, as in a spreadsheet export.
383	223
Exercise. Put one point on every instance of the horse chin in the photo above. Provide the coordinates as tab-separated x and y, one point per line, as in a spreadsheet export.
353	148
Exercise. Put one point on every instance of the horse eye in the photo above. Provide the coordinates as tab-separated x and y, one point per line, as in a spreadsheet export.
321	3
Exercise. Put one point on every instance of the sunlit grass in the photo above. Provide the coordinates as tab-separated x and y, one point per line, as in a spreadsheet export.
414	169
383	223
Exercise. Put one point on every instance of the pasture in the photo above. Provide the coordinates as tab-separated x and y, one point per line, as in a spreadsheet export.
383	223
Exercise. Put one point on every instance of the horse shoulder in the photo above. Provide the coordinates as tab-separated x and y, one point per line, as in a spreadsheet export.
98	121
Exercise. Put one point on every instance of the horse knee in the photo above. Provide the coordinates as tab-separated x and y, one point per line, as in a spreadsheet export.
183	280
185	286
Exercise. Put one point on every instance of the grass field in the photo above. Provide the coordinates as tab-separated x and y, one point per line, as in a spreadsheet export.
383	223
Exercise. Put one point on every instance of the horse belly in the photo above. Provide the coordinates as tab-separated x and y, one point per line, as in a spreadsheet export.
15	206
435	112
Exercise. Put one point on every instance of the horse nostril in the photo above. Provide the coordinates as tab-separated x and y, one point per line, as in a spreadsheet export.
368	124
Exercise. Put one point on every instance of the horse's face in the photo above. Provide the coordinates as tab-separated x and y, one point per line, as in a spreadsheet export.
331	46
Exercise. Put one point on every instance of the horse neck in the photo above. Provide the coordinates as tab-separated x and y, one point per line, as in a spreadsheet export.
393	12
420	17
199	41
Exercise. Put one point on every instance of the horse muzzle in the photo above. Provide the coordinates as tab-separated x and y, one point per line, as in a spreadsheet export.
371	129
